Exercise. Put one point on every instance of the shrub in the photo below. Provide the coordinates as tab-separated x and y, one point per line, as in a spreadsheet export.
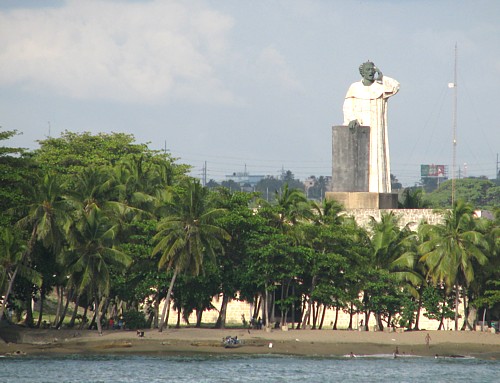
134	320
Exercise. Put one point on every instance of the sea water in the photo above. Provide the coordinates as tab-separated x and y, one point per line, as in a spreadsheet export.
262	369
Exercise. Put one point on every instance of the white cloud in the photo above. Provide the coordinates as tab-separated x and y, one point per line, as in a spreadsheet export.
131	52
272	67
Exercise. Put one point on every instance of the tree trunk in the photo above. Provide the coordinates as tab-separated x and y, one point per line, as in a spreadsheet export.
441	323
307	315
322	317
84	317
92	322
417	317
273	305
199	315
69	296
380	325
25	255
59	295
337	318
178	325
471	318
367	319
167	301
266	307
351	314
457	300
315	314
42	301
157	307
221	320
308	312
258	304
75	312
484	318
467	313
29	311
7	292
98	314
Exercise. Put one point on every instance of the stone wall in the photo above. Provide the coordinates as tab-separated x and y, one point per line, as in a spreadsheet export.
407	216
236	309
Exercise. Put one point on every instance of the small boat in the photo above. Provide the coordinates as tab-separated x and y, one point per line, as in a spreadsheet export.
230	342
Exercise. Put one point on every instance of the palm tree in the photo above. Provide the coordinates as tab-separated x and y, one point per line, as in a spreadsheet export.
452	249
292	206
91	255
46	218
140	180
187	234
289	209
91	187
327	212
12	249
412	199
389	248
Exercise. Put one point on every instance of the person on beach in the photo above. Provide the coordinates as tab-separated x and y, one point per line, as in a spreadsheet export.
259	324
427	340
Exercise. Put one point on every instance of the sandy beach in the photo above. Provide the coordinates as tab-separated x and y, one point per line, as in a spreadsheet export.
22	341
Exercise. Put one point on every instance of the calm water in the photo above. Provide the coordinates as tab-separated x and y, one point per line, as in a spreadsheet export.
260	369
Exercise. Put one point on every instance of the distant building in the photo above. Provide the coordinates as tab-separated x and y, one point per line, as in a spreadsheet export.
245	179
316	187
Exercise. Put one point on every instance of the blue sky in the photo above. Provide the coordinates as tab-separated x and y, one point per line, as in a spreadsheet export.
253	83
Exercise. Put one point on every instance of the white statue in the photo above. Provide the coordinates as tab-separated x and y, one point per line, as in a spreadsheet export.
366	104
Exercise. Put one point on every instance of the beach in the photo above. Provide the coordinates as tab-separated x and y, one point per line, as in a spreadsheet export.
21	341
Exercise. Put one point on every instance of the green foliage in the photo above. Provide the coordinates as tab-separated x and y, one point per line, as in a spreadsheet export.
15	169
491	297
413	198
189	232
481	193
73	152
454	247
196	292
382	293
134	320
95	208
437	304
408	311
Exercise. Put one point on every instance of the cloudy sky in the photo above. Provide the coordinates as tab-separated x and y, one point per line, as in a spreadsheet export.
255	84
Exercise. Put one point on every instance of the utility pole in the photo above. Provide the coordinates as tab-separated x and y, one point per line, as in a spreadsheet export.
498	171
454	86
204	179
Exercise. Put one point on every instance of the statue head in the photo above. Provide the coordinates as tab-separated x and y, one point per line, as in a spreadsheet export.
367	71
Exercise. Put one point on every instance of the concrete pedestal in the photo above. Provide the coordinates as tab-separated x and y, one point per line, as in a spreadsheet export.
364	200
350	158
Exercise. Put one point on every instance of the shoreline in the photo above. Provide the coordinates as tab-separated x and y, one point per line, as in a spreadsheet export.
320	343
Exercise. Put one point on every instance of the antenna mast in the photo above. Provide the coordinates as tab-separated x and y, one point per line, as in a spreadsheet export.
453	185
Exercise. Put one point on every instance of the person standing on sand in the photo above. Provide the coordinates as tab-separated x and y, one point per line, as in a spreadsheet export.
427	340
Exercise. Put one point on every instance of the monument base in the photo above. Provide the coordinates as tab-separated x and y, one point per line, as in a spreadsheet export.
364	200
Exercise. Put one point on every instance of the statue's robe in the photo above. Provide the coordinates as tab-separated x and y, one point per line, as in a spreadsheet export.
368	105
